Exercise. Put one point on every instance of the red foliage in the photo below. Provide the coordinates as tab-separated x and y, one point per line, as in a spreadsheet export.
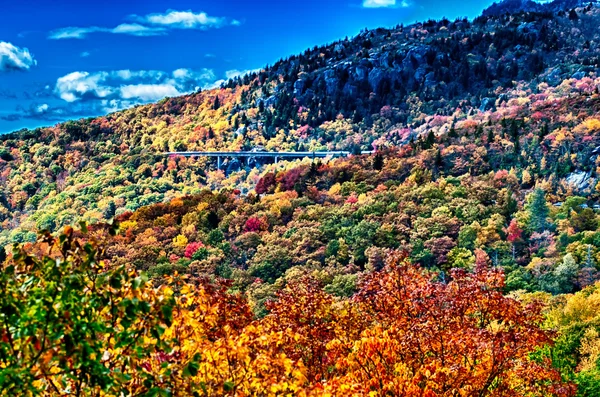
352	199
191	249
290	178
266	183
255	225
513	231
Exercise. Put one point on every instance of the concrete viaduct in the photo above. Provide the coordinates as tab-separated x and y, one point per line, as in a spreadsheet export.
276	156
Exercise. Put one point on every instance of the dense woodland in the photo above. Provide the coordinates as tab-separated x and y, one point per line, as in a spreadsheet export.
461	258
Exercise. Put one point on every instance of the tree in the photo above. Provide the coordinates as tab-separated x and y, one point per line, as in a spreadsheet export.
79	327
110	210
60	309
538	211
573	15
513	235
378	162
433	339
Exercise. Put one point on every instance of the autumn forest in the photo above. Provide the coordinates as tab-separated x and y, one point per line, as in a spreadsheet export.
459	257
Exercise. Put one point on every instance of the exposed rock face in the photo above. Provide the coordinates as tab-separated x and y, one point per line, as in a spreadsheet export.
516	6
331	81
385	60
580	181
414	58
299	87
270	101
430	80
420	74
350	89
360	72
554	77
375	77
486	104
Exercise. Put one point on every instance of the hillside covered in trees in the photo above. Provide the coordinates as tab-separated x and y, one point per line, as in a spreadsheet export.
385	87
461	257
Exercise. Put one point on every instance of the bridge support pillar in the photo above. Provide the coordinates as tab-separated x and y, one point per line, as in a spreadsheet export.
218	162
276	159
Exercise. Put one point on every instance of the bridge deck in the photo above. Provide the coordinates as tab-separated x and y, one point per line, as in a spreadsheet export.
261	154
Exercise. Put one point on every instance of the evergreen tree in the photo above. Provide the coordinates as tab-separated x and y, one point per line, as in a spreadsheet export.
110	210
452	133
429	141
538	211
378	162
544	131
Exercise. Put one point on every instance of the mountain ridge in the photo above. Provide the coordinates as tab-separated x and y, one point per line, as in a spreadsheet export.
515	6
384	87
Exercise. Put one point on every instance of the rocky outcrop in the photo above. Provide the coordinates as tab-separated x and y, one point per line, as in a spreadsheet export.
516	6
299	87
581	181
376	75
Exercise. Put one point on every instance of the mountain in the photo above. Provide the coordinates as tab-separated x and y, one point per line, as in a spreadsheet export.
381	88
484	181
552	6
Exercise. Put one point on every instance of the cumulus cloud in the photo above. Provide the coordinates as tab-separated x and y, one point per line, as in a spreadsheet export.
84	94
384	3
156	24
148	92
182	20
231	74
123	88
15	58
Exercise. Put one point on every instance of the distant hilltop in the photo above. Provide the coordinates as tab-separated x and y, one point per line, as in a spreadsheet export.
515	6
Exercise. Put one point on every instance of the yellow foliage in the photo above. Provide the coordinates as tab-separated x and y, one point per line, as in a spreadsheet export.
590	350
335	189
180	241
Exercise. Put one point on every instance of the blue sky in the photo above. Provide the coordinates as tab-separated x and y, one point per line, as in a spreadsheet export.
66	59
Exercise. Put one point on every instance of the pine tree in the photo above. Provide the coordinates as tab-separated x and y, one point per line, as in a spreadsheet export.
538	211
452	133
378	162
430	140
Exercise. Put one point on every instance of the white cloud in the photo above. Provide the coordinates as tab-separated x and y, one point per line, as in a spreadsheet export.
182	20
15	58
74	32
148	92
232	74
85	94
384	3
118	89
85	54
135	29
132	29
149	25
79	85
41	109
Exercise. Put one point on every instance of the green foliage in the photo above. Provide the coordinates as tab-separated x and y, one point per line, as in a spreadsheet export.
56	309
343	285
538	211
588	383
